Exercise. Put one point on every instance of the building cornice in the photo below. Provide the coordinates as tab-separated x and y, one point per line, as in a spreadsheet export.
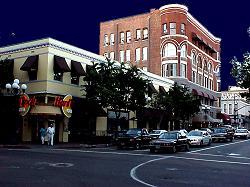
203	29
51	43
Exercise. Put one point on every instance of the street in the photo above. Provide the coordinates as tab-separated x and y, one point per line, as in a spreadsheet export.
221	164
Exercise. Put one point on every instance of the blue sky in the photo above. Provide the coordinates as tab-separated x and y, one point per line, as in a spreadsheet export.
77	22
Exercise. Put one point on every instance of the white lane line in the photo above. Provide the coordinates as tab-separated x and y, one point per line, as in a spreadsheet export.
228	156
218	146
218	161
133	171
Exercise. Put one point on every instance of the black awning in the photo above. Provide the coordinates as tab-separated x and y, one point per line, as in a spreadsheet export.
76	68
162	89
152	88
60	64
31	63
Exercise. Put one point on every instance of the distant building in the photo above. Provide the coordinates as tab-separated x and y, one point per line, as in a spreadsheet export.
235	106
171	43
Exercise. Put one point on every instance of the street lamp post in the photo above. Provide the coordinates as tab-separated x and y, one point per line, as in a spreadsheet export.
206	109
10	113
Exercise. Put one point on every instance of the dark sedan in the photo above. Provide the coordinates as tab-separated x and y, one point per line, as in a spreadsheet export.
222	134
136	138
172	140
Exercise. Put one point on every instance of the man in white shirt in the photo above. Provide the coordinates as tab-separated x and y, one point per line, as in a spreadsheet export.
50	133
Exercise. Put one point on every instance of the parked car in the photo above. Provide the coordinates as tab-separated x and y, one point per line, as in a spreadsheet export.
136	138
199	137
222	133
172	140
242	133
156	133
207	129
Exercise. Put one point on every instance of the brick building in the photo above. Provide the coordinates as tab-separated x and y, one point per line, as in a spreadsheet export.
171	43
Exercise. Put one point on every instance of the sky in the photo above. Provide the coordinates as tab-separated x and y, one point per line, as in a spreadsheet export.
76	22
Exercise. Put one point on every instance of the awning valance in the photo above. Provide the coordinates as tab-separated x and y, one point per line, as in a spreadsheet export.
60	64
77	68
224	116
197	92
199	118
31	63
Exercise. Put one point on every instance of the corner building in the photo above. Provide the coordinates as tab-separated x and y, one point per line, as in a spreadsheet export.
53	72
171	43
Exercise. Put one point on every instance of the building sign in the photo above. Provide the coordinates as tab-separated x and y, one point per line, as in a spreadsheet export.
25	103
65	104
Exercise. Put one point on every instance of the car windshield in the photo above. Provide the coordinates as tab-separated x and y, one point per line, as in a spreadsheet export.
241	130
133	131
195	133
168	136
220	130
156	132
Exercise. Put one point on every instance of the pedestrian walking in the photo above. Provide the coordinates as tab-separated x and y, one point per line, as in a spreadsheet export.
42	134
50	134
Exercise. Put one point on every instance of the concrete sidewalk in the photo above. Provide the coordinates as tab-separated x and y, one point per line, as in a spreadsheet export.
56	146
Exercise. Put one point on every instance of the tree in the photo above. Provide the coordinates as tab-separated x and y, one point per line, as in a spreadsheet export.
241	72
178	102
118	87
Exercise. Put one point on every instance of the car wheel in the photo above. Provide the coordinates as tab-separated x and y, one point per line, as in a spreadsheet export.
137	145
174	149
201	143
152	150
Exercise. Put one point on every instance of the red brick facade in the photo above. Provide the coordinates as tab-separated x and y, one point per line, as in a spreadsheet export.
186	52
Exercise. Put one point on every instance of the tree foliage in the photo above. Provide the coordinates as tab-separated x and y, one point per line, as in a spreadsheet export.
6	72
178	101
241	72
115	86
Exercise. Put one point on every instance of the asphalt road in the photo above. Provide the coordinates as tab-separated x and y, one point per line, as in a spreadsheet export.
221	164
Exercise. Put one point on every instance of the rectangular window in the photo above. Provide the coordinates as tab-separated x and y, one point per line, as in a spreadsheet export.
145	33
171	69
183	70
183	29
112	55
145	53
121	56
137	54
164	28
172	28
127	55
106	40
138	34
194	76
128	35
230	109
112	39
74	79
58	76
225	108
122	38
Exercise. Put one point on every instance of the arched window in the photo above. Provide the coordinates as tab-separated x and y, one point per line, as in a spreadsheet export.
205	65
199	62
194	62
169	50
184	51
209	67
